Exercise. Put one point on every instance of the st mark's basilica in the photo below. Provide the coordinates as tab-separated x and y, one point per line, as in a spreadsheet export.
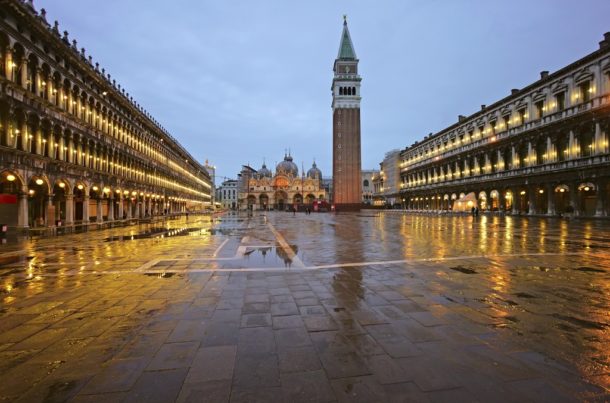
263	190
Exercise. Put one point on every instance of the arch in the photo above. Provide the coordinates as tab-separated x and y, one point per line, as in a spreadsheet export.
32	84
35	179
365	183
561	198
38	192
63	184
562	188
340	90
14	176
263	201
310	198
11	191
19	56
587	187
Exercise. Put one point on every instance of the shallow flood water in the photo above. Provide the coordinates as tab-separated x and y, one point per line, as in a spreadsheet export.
518	284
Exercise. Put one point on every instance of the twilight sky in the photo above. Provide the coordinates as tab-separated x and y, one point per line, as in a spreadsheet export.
241	80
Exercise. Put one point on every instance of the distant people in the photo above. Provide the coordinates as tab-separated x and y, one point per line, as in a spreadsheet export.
476	211
472	211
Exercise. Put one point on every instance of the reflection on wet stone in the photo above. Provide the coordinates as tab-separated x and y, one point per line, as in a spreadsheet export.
403	307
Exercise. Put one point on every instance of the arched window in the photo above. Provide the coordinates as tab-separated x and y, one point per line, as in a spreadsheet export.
365	183
353	90
349	90
340	90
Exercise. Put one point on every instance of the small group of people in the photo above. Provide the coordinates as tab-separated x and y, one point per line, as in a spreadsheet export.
294	210
474	211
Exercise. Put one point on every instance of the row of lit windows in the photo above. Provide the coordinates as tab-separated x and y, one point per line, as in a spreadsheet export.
525	156
29	76
87	155
582	93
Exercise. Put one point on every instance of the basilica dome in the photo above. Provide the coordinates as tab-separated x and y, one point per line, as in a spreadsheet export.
287	167
264	172
314	172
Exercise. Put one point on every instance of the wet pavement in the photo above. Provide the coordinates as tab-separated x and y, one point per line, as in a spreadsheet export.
368	306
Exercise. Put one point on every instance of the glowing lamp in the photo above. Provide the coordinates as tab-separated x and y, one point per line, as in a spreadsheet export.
62	185
39	181
95	188
80	187
10	177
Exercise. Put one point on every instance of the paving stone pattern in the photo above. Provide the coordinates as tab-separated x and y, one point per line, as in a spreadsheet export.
501	309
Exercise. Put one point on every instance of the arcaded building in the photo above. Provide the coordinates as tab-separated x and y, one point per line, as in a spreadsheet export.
543	149
347	184
75	148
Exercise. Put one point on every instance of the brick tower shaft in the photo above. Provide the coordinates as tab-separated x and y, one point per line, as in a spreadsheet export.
347	187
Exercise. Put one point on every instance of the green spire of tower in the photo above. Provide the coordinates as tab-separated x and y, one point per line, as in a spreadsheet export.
346	48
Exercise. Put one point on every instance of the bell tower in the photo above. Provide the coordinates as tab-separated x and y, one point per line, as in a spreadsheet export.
347	186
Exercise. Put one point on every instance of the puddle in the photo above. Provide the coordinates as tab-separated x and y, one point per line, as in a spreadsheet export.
160	275
465	270
262	257
582	323
524	295
159	233
9	260
269	256
590	270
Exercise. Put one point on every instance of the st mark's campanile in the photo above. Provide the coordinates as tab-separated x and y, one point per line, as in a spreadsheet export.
347	186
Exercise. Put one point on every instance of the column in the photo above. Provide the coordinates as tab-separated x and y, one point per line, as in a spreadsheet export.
550	197
69	209
100	217
25	138
38	140
129	208
24	73
120	212
22	212
516	200
49	220
601	201
111	207
531	196
501	200
137	212
574	199
9	64
86	209
597	141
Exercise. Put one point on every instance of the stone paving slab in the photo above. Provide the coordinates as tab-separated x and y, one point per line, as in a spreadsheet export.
422	330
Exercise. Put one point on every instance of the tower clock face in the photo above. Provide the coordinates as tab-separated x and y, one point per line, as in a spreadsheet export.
347	69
